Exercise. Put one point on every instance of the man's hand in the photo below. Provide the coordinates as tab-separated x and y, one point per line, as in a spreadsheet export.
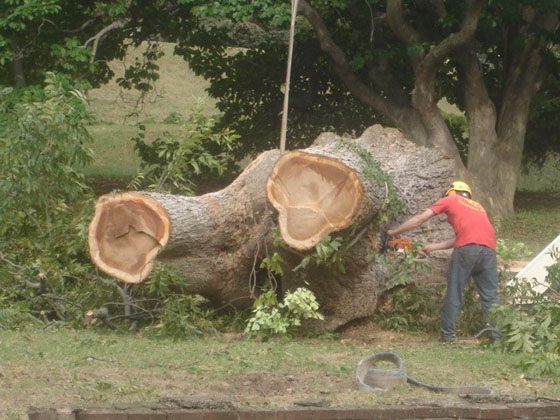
440	245
426	249
391	233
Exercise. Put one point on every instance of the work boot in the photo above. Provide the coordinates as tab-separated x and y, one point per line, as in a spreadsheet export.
494	334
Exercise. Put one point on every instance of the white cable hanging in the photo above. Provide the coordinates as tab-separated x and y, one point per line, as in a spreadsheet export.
288	74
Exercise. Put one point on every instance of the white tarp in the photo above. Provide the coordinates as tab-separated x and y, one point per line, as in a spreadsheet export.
535	272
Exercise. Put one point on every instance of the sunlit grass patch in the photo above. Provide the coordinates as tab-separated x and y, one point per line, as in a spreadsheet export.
536	221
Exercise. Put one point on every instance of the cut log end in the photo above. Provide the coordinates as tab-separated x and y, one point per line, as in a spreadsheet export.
126	233
314	195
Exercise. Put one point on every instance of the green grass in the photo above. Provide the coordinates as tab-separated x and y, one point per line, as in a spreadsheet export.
69	368
178	90
113	151
541	179
536	222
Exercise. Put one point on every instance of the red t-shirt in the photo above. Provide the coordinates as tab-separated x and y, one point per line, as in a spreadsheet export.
469	220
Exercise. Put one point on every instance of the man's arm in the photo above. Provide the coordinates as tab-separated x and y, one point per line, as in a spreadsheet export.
411	223
440	245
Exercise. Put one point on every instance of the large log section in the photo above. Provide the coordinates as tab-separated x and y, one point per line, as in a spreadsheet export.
217	240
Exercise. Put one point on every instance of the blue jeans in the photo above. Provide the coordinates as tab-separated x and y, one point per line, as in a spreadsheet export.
479	262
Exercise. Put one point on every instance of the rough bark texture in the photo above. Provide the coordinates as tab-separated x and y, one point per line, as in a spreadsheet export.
419	176
217	240
16	65
213	238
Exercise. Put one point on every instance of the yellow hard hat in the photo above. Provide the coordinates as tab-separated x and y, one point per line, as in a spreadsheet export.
459	186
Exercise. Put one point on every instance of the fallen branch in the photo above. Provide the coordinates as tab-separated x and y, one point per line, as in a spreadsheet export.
101	314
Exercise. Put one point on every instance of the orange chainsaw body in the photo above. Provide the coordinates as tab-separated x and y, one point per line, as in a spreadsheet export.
398	244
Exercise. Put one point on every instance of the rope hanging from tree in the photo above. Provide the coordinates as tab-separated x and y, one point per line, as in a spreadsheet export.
284	128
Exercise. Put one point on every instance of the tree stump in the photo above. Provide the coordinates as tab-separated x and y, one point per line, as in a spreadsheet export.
217	241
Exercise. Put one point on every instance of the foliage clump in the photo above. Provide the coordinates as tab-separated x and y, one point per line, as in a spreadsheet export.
273	318
43	140
198	148
46	276
530	323
409	308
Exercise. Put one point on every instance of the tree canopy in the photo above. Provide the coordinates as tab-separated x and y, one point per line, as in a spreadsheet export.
38	36
78	38
392	62
355	63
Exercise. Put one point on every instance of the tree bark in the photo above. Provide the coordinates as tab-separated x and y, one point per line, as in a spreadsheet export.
497	137
218	240
16	65
211	239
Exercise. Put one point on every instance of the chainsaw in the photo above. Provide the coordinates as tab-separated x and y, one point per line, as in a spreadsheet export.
399	245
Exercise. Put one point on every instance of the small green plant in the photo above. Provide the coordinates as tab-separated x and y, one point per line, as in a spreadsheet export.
173	118
530	323
273	318
273	264
328	253
168	312
508	252
183	315
172	163
410	308
399	266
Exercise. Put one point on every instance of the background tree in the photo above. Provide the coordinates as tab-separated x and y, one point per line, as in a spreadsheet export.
356	62
38	36
543	135
397	59
78	38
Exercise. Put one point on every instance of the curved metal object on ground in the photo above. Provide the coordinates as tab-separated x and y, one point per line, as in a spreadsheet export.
370	378
374	379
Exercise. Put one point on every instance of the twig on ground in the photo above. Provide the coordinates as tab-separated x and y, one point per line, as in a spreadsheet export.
96	358
103	315
230	302
547	399
8	261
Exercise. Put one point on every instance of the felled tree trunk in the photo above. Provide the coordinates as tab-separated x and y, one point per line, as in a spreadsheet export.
218	240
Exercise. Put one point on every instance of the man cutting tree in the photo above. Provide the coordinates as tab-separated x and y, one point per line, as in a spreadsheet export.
474	253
